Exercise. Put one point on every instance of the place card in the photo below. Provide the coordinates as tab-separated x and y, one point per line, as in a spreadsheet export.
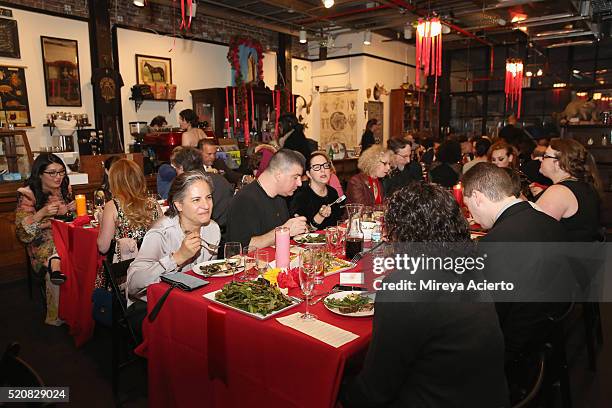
351	278
325	332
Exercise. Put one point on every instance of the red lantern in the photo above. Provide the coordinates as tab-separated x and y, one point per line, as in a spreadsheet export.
514	83
429	50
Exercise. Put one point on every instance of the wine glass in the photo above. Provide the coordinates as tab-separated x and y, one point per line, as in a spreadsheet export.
232	252
249	254
263	261
306	277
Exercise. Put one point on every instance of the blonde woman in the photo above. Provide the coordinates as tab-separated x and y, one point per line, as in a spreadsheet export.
131	212
366	187
503	154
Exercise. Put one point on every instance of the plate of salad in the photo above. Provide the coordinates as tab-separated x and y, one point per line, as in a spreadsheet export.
351	303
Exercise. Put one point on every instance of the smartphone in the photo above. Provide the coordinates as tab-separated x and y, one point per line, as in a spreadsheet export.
346	288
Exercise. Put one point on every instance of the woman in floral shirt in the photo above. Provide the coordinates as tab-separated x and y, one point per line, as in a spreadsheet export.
46	194
129	215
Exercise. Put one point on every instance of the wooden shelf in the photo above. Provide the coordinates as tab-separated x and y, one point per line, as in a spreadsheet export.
171	102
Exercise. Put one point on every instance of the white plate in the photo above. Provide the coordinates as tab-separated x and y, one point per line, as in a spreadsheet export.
340	295
197	271
300	237
295	263
211	296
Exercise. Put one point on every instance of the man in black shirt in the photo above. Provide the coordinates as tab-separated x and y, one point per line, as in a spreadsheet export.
405	171
260	207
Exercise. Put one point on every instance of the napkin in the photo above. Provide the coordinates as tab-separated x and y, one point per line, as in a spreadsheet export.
80	221
325	332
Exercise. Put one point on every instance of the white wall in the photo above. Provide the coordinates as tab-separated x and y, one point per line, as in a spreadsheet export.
31	27
357	73
195	65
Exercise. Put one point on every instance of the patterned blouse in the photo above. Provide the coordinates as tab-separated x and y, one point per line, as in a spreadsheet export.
124	228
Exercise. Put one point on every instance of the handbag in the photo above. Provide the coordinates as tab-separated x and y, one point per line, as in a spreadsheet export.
102	310
126	248
175	280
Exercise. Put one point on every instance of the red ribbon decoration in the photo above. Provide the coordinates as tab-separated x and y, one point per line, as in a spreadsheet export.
514	83
429	50
227	124
247	129
252	107
234	101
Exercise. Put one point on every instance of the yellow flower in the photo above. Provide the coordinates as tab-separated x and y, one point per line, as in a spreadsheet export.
271	275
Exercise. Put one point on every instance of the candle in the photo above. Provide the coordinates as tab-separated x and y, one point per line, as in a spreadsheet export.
458	193
81	205
282	247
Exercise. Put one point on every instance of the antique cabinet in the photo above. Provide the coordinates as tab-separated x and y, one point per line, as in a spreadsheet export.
412	111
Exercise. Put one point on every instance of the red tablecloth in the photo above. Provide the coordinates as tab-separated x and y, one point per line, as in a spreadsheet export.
265	363
78	250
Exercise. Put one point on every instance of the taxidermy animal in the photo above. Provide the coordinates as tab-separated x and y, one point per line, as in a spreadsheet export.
306	105
578	108
157	73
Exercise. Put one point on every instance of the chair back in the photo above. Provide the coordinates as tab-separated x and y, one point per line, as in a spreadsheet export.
116	275
15	372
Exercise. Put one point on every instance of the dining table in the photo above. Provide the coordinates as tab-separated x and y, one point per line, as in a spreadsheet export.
80	260
204	354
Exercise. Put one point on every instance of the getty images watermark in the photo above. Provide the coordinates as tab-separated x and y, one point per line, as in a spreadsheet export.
424	263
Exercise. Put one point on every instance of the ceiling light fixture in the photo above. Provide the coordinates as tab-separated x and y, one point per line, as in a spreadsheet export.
559	85
576	71
429	50
328	3
139	3
367	37
528	74
514	83
407	32
540	72
303	39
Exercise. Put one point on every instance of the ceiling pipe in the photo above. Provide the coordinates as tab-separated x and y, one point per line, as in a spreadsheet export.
345	13
570	44
549	22
553	37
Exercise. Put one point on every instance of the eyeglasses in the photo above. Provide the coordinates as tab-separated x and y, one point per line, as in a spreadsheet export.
385	163
54	174
546	156
317	167
405	156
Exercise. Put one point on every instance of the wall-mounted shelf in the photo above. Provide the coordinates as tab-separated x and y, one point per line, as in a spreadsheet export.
171	102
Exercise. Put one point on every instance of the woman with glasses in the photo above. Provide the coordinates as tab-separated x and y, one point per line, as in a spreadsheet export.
366	187
404	169
574	198
312	200
45	195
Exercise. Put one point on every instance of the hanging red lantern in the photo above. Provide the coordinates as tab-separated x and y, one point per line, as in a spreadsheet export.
429	50
514	83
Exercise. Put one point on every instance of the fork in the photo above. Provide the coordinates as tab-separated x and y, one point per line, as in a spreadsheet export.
210	247
338	200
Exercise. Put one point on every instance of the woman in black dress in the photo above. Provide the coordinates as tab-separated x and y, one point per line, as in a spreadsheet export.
313	198
368	139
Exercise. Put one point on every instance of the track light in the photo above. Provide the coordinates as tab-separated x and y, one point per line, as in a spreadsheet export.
139	3
539	73
303	37
367	37
328	3
529	74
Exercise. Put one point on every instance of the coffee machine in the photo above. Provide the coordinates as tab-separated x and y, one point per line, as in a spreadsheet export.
138	130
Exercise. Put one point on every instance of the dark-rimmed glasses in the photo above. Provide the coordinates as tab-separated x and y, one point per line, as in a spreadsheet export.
54	174
546	156
317	167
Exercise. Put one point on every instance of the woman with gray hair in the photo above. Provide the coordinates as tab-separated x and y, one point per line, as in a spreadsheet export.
181	239
366	187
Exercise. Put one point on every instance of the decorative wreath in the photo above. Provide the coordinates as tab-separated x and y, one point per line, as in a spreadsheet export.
233	56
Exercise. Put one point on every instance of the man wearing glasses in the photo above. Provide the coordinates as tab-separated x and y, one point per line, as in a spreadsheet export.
405	170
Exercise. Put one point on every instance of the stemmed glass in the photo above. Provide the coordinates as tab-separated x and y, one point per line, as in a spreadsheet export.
306	276
232	252
263	261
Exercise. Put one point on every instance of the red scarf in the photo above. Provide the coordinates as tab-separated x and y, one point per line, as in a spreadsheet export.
376	188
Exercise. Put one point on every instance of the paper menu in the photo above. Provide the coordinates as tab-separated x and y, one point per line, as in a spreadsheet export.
325	332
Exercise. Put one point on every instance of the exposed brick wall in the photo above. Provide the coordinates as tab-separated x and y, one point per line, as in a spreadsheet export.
160	18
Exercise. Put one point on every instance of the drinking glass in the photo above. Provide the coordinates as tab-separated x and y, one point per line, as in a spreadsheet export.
342	227
306	277
331	239
249	254
232	252
263	261
319	265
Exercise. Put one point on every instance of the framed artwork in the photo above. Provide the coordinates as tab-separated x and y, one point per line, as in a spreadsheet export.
61	68
153	69
14	107
9	39
338	118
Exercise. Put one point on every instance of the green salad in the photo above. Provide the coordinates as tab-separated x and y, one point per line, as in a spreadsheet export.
253	297
311	239
351	303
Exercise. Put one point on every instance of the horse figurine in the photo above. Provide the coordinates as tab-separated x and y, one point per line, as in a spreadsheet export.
157	73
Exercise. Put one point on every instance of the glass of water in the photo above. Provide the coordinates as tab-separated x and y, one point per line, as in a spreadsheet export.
232	252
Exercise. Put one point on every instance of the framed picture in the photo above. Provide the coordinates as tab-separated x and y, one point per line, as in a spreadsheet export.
153	69
61	68
9	39
14	107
